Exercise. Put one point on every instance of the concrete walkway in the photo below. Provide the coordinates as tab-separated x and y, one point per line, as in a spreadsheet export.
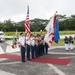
14	67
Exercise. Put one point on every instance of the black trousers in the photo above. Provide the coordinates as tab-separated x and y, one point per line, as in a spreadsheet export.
32	51
22	53
46	48
36	51
28	52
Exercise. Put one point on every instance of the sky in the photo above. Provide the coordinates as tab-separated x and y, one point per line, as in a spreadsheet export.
16	10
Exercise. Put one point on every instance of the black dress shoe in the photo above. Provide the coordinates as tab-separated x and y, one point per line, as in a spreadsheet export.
33	58
28	59
23	61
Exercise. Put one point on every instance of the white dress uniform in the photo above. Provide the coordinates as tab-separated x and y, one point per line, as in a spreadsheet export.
32	41
22	40
27	41
66	46
71	46
66	43
71	43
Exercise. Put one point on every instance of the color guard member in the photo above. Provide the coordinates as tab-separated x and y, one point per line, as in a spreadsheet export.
28	47
22	46
32	42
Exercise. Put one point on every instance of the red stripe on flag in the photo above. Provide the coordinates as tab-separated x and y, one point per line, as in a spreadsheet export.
27	23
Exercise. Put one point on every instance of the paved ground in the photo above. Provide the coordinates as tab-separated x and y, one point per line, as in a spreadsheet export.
13	67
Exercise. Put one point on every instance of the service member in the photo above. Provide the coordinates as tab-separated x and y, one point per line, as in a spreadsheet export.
66	42
71	42
22	46
32	42
28	47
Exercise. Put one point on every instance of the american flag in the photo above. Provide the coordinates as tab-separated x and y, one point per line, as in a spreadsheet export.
27	23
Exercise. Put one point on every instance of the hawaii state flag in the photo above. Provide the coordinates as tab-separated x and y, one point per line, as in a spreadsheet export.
52	31
27	23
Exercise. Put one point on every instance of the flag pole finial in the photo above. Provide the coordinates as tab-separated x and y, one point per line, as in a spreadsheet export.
56	11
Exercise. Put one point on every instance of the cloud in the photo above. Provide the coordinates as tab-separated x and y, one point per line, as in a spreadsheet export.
16	9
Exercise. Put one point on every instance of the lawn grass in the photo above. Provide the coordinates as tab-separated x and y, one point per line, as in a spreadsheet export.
60	43
42	33
66	32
